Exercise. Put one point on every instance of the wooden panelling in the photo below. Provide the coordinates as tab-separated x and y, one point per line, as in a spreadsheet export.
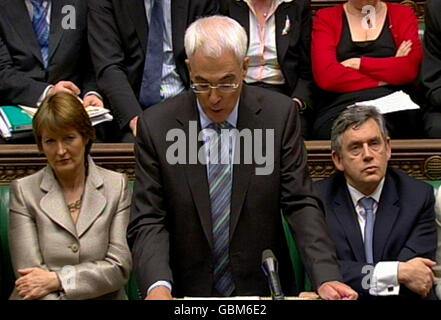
419	158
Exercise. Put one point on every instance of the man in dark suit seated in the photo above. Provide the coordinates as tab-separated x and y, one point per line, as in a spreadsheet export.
138	52
44	50
431	69
382	221
198	225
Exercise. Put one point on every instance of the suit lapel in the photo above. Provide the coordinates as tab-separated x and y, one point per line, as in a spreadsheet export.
197	173
249	106
137	12
385	217
56	28
179	17
53	203
94	201
19	18
239	12
282	40
346	215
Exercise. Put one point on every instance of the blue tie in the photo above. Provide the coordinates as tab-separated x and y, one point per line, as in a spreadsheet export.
220	185
41	28
368	205
151	79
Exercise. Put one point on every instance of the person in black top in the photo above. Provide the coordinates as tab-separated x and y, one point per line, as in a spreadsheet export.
353	62
431	70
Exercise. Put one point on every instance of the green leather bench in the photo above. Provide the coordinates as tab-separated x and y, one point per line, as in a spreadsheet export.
303	282
8	278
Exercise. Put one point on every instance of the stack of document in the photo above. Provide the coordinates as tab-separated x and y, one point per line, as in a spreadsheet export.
14	123
397	101
96	114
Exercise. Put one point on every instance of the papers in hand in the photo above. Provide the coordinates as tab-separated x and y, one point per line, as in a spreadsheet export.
397	101
96	114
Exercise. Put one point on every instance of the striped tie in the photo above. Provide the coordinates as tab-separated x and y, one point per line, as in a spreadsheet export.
41	27
220	184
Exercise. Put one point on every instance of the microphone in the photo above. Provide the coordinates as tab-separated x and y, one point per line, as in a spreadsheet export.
270	268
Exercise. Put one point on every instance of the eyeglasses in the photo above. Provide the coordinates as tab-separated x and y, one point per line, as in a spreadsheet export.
222	87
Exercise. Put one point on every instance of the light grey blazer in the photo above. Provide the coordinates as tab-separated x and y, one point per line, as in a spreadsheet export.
437	269
91	258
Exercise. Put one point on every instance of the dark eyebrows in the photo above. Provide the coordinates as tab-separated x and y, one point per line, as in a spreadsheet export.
199	78
354	143
358	142
375	139
228	76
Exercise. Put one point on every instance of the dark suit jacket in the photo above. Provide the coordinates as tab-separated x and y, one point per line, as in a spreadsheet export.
431	68
293	49
118	36
23	77
171	231
404	225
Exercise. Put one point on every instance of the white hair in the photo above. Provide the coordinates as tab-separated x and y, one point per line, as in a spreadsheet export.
214	35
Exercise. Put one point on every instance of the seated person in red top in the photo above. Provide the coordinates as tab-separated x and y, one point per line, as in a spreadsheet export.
360	55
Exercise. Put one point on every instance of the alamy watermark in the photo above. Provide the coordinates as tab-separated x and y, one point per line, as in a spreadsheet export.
257	146
366	281
68	277
69	20
369	21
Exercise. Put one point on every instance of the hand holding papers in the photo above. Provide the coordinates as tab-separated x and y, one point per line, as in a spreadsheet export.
16	121
96	114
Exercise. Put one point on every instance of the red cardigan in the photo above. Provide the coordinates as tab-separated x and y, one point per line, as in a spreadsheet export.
332	76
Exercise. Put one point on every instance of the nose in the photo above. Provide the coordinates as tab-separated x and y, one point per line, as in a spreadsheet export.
213	96
61	149
367	153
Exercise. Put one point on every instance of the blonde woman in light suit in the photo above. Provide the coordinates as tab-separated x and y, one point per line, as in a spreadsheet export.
68	221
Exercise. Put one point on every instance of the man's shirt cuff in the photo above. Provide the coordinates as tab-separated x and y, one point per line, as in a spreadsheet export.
159	283
384	280
94	93
43	95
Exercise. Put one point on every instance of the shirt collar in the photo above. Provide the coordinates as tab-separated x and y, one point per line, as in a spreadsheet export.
206	121
357	195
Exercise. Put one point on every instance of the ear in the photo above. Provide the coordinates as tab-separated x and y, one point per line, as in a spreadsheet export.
336	158
245	64
388	148
187	62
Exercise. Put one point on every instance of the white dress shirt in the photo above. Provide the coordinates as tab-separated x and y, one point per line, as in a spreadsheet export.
262	50
384	280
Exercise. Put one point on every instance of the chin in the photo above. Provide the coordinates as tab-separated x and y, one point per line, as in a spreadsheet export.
374	178
218	118
65	167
